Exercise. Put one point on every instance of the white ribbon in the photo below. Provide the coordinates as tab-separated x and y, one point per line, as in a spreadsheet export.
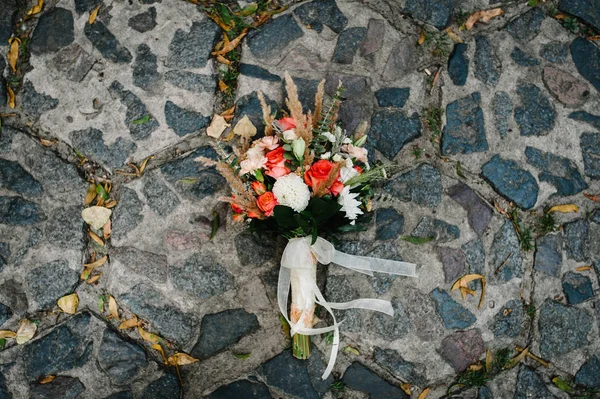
298	254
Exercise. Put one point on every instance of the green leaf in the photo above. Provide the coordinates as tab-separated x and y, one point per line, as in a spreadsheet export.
315	235
352	350
288	156
323	209
532	3
216	223
417	240
101	301
142	120
284	215
243	355
2	343
259	176
284	325
101	192
562	384
303	223
459	170
287	147
361	141
249	9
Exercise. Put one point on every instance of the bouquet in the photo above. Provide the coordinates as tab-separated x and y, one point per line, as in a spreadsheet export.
303	179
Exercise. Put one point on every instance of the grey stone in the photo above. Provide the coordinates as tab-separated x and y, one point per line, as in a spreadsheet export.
13	177
339	289
4	254
347	45
382	282
511	181
522	58
436	13
146	302
582	116
392	96
390	224
250	105
145	69
61	387
577	288
6	17
142	263
576	234
373	41
530	385
585	55
143	22
505	244
321	12
49	282
255	71
485	393
421	310
436	229
393	328
4	392
190	81
452	313
289	375
487	68
548	254
65	226
401	61
316	367
508	321
159	197
203	183
465	130
307	89
561	172
121	360
73	62
184	121
252	251
404	370
14	296
590	147
166	386
474	260
5	313
565	87
274	37
3	86
53	31
355	87
66	347
83	6
219	331
128	214
526	26
140	122
20	212
360	378
90	142
422	185
478	212
503	109
121	395
462	348
352	113
555	52
192	49
562	328
392	129
202	275
589	373
458	64
241	389
588	10
105	42
34	103
453	261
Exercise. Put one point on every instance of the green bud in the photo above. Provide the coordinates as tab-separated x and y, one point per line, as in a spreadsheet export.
298	147
361	141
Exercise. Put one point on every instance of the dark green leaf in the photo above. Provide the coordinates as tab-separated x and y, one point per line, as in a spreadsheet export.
216	223
142	120
249	9
323	209
562	384
459	170
284	216
2	343
101	192
315	235
289	156
417	240
287	147
242	355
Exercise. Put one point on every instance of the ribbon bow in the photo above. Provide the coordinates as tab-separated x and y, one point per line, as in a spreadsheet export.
298	255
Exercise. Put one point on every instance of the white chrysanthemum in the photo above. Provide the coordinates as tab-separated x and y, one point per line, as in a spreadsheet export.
347	173
290	190
350	205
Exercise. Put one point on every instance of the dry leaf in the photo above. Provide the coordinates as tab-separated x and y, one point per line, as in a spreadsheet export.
592	197
475	367
435	79
96	216
96	263
231	44
145	163
181	359
406	387
217	126
482	16
37	8
222	86
464	280
565	208
530	355
421	37
13	53
424	394
488	360
244	128
7	334
110	204
147	336
93	15
85	274
131	323
26	331
594	38
48	143
162	352
112	307
560	16
95	237
583	268
69	303
228	112
515	360
223	60
47	379
107	230
453	35
11	97
94	279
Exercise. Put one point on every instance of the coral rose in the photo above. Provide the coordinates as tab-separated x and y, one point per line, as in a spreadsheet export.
336	188
266	203
287	123
318	172
276	163
259	188
236	208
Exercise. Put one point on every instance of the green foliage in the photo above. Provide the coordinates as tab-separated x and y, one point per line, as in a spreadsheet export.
142	120
461	17
432	117
545	224
531	310
438	42
417	152
571	24
523	232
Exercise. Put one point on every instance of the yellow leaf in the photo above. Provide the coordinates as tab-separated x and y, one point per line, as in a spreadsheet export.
406	387
7	334
421	37
90	195
96	216
145	163
26	331
228	112
352	350
464	280
244	128
97	263
69	303
95	237
565	208
11	97
147	336
159	348
453	35
223	86
13	53
583	268
488	360
217	126
47	379
110	204
94	279
424	394
181	359
37	8
475	367
85	274
515	360
231	44
93	15
112	307
483	16
223	60
131	323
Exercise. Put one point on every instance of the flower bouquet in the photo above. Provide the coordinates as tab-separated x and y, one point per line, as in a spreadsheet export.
306	178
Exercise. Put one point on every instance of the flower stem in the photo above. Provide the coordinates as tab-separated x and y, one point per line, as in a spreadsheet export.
301	346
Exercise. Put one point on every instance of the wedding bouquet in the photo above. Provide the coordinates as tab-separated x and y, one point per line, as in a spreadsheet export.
303	179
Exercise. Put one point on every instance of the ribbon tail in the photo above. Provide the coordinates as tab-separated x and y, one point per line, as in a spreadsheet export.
376	305
336	334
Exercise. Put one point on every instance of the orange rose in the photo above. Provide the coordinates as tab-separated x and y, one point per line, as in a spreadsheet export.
259	188
252	215
266	203
287	123
276	163
358	169
336	188
318	172
236	208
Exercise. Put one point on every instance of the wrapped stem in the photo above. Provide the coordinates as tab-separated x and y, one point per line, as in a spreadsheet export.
303	306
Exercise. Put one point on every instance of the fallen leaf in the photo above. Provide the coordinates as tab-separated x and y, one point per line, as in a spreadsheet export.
592	197
93	15
159	348
459	171
94	279
249	10
37	8
565	208
26	331
96	216
11	97
244	128
349	349
47	379
112	307
145	163
406	387
560	16
107	230
217	126
101	191
530	355
583	268
464	280
424	394
594	38
482	16
85	274
475	367
231	44
148	336
96	263
90	195
222	86
488	360
96	239
101	300
453	35
228	112
110	204
69	303
421	37
562	384
435	79
48	143
131	323
215	224
515	360
223	60
13	53
181	359
7	334
142	120
243	355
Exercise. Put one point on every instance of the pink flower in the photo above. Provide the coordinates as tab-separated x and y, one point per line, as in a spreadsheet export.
276	163
356	152
251	164
287	123
268	142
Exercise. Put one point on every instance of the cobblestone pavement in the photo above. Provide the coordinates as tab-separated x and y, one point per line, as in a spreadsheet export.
511	114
